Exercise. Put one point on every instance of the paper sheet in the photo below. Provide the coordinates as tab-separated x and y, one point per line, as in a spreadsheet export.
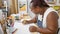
23	29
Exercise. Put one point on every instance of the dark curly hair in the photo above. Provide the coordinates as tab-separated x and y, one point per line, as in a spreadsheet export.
40	3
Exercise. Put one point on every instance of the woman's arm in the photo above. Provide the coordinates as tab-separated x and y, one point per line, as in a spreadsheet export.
52	24
34	20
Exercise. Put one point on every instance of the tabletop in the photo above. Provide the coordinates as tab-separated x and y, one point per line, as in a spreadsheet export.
23	29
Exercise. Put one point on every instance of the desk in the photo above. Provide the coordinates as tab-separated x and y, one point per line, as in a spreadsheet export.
23	29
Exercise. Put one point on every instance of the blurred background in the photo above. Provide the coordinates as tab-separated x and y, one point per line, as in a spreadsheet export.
18	9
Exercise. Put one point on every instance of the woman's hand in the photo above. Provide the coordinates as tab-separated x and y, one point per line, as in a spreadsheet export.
25	22
33	29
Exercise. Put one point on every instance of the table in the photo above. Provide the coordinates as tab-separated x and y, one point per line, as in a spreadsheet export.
23	29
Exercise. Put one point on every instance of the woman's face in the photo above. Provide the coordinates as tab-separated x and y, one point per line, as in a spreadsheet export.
36	10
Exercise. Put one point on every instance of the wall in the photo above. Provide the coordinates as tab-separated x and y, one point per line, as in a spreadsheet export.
29	10
0	3
12	7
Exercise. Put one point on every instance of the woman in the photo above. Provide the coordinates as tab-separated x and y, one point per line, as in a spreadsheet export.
50	17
